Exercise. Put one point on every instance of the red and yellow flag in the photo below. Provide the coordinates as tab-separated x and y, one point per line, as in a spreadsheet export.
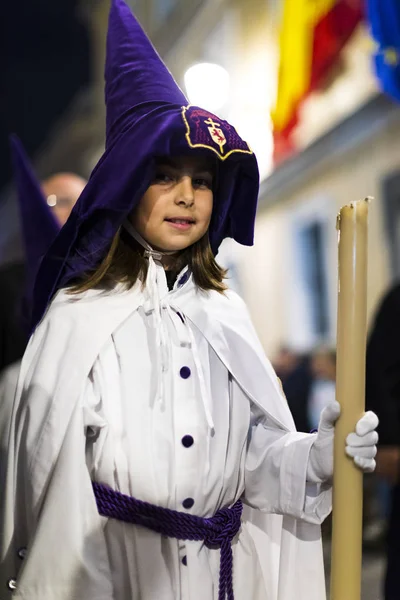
312	37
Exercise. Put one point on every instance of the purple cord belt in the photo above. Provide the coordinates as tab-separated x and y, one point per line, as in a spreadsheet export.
216	532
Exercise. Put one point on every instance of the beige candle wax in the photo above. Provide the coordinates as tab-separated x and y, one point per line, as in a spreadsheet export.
350	393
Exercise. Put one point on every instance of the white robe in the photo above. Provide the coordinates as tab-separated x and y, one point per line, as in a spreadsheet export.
91	387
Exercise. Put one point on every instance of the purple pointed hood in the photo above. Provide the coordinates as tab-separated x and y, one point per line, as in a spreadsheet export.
39	227
147	116
137	81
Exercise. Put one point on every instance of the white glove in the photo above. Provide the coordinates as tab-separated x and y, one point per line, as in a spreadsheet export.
360	445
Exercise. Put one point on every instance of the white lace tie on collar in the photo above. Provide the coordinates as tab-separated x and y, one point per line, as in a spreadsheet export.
158	304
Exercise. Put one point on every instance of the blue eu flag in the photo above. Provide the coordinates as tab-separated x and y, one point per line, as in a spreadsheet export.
384	21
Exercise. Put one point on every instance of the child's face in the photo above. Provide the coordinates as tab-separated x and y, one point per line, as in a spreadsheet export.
175	211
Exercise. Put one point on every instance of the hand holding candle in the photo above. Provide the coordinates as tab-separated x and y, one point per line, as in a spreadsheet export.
360	444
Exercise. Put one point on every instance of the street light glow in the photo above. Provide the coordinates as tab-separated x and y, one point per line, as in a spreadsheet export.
207	85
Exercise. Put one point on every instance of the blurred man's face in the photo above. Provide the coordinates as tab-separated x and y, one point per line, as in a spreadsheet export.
62	191
286	361
323	366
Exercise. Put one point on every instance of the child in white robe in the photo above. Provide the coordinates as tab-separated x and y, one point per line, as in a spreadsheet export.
147	414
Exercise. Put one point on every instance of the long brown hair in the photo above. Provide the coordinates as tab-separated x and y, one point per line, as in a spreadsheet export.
125	263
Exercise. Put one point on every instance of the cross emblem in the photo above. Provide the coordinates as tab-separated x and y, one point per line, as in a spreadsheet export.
211	122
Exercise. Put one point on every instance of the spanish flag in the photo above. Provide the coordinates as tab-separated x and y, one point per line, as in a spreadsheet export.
312	37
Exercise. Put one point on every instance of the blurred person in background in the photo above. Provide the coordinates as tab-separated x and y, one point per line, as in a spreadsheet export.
61	192
323	386
294	372
383	396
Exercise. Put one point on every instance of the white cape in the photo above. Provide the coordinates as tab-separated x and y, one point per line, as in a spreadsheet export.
56	364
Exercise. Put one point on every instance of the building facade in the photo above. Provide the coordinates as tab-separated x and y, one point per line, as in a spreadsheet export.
348	147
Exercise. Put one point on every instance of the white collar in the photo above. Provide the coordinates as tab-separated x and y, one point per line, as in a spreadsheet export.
158	299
